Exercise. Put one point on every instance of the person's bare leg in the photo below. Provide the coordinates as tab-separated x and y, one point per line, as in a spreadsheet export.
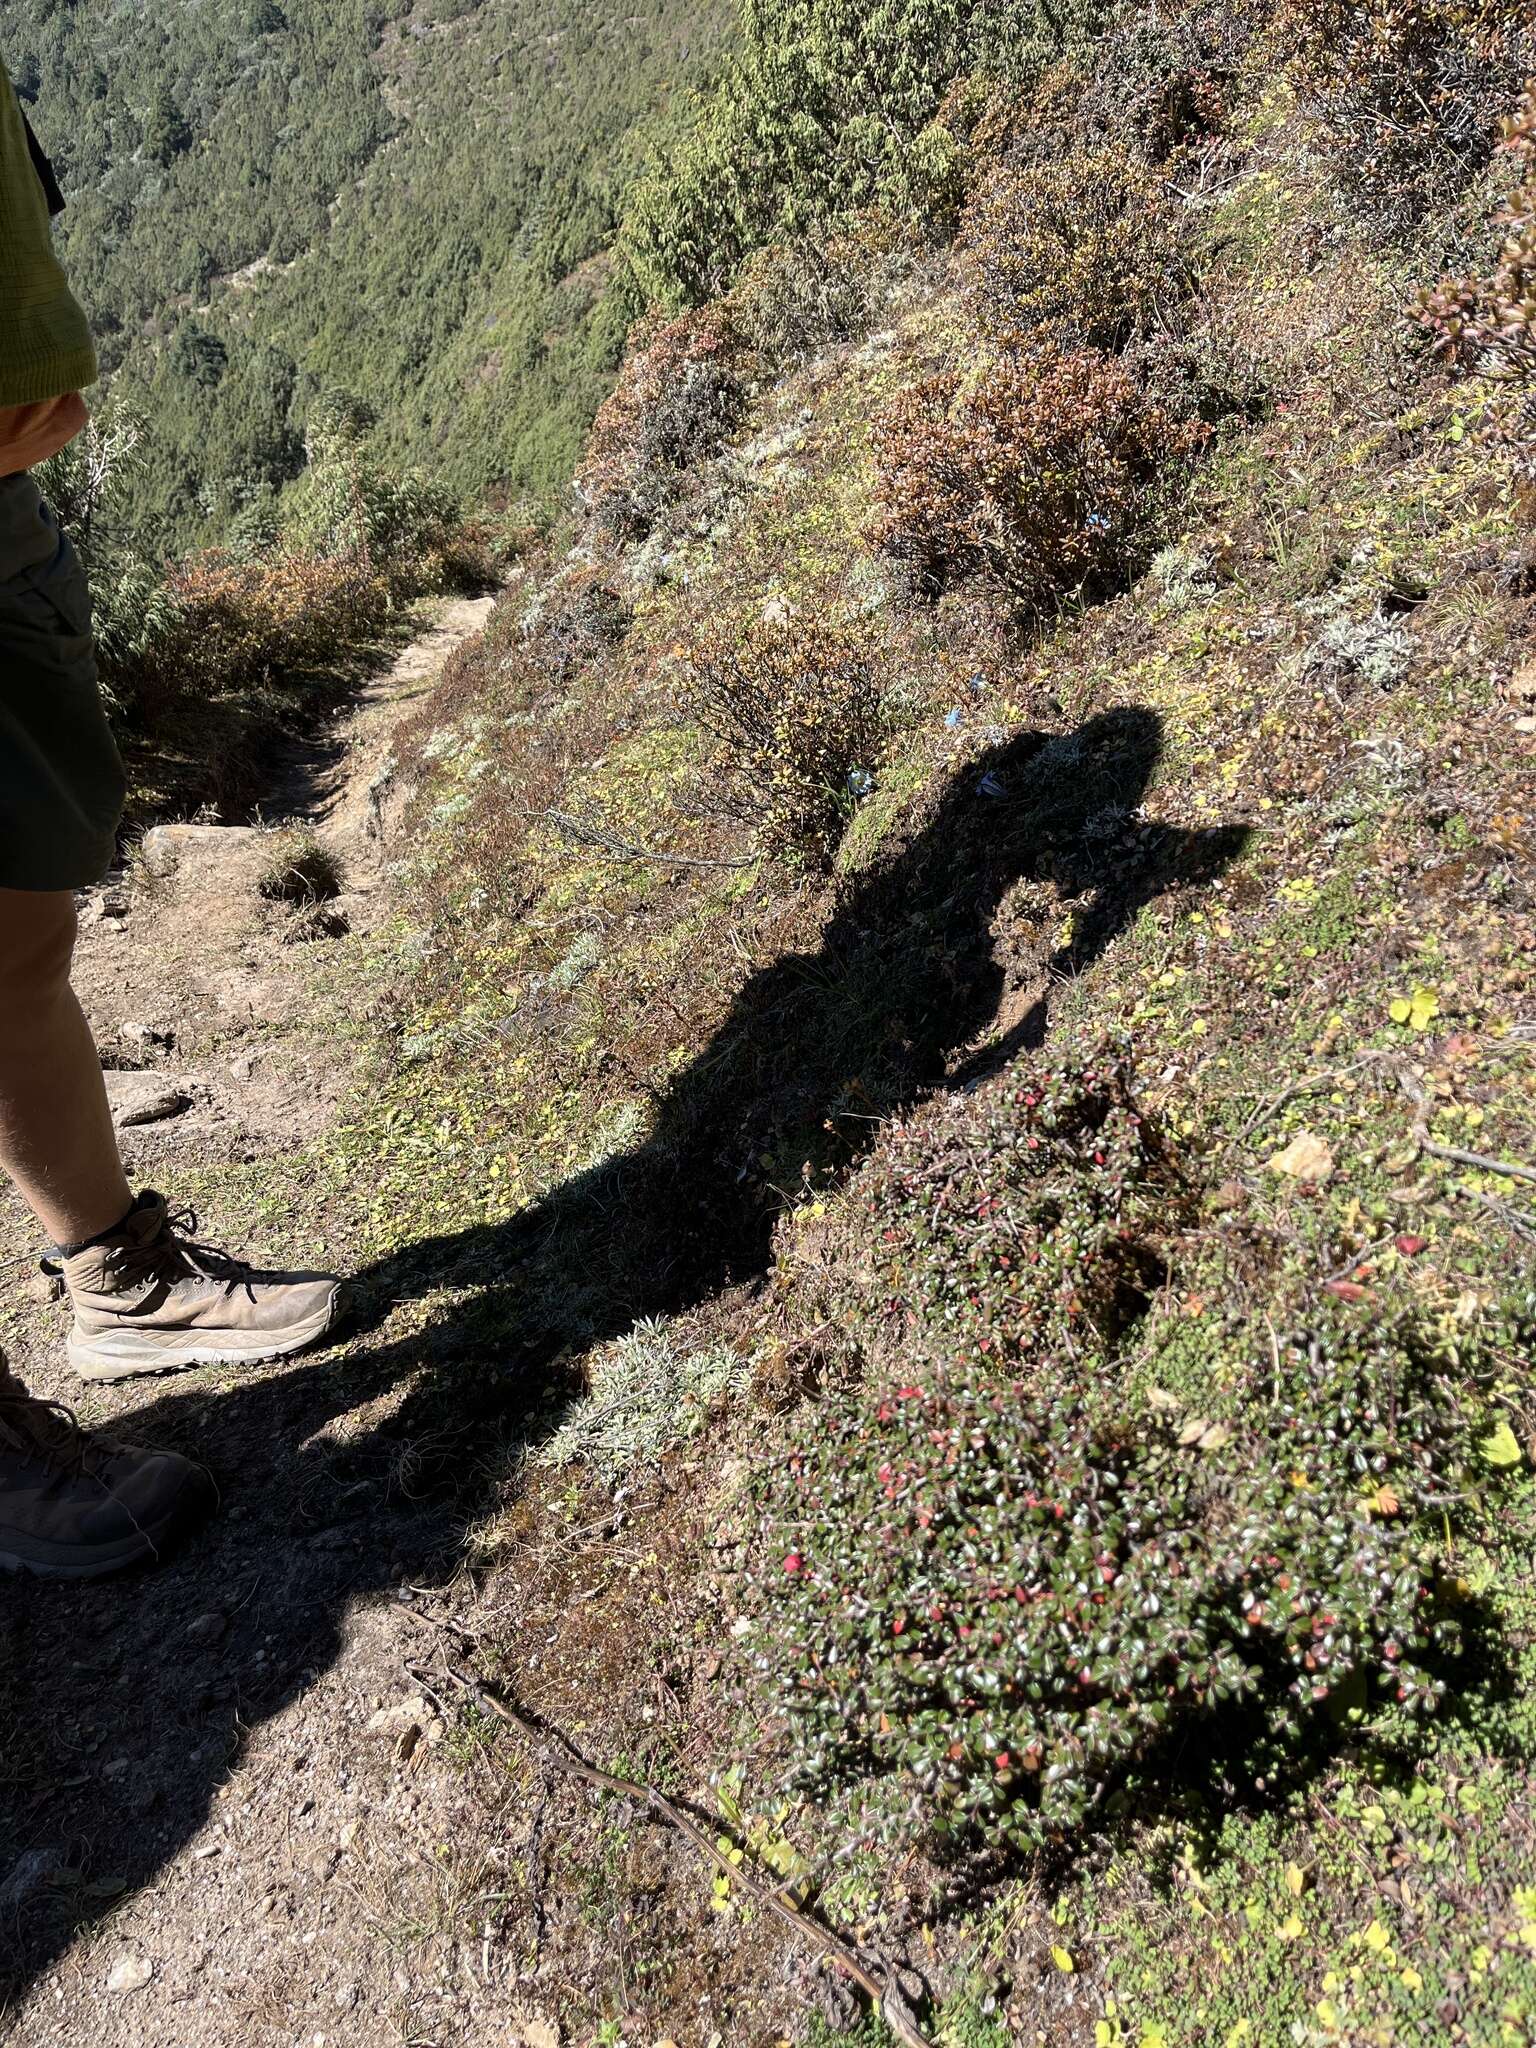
57	1143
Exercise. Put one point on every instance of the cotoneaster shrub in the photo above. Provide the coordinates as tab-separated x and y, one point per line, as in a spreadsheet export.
1084	245
1021	1223
997	1603
1044	468
794	705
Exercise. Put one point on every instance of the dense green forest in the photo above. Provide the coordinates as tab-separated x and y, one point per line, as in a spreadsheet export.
272	203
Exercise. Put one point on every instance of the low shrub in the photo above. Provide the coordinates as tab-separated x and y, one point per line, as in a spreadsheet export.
232	624
578	618
795	706
298	870
1001	1605
1406	92
679	394
1022	1223
1084	245
801	296
1488	324
1045	468
1165	80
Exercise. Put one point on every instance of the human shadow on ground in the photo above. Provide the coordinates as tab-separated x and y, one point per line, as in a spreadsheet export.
900	999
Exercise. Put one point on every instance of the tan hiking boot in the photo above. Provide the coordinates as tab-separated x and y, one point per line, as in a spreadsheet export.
74	1506
149	1298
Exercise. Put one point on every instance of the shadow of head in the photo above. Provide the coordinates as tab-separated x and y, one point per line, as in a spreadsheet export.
814	1050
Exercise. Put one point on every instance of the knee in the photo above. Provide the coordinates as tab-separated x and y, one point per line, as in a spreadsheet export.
37	944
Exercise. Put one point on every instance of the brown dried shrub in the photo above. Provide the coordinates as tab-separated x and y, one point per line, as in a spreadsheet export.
680	393
794	705
1044	468
233	624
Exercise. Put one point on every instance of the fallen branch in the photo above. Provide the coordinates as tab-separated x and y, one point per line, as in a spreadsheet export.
554	1748
1456	1157
1276	1103
609	842
1521	1221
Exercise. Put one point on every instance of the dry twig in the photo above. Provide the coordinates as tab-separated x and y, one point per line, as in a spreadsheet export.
554	1748
1521	1221
602	840
1457	1157
1276	1103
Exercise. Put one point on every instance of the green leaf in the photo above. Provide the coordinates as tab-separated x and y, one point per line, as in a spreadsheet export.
1502	1448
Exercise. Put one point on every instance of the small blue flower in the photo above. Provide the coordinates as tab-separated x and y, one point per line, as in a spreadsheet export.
953	718
861	782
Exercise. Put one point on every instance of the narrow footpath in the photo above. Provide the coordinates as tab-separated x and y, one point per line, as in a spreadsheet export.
220	1820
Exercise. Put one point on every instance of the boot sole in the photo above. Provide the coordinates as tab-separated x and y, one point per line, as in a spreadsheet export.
145	1547
133	1354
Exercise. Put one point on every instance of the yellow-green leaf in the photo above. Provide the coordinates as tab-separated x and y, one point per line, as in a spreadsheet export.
1062	1958
1295	1880
1501	1448
1376	1937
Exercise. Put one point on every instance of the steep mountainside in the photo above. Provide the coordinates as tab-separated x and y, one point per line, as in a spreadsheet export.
933	1109
269	202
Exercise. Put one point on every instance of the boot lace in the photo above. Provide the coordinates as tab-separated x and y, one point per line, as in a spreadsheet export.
46	1431
177	1254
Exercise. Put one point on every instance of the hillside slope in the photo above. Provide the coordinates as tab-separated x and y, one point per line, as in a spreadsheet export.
941	1178
269	203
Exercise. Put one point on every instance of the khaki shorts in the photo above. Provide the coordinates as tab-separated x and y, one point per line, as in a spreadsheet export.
61	781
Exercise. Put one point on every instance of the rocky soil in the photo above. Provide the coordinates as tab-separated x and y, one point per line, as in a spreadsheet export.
222	1813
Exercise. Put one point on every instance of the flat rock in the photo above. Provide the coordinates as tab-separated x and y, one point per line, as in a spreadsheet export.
131	1974
163	846
144	1099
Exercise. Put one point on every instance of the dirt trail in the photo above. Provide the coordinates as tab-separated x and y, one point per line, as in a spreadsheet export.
189	977
220	1820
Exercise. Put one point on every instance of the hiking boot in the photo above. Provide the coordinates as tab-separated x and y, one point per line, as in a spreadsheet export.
149	1298
74	1506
